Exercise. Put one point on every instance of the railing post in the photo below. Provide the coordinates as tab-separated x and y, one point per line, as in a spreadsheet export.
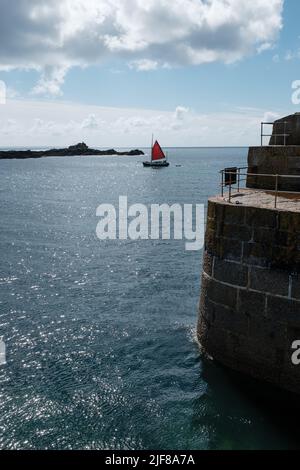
285	135
222	183
239	179
276	190
230	188
261	134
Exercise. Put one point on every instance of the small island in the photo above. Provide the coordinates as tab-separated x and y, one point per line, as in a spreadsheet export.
74	151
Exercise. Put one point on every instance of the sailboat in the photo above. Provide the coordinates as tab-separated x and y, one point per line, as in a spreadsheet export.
158	157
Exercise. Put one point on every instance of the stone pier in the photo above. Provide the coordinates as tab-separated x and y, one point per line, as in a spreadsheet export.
250	301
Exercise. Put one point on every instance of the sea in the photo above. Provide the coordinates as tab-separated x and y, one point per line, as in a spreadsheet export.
100	336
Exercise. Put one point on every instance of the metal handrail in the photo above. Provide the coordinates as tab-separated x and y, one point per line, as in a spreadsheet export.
237	174
284	135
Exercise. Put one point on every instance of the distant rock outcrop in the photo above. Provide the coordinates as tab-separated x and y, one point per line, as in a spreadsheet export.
73	151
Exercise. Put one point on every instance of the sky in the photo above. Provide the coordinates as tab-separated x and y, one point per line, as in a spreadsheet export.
112	72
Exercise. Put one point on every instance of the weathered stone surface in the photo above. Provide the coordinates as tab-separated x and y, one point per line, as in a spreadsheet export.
231	273
222	317
230	320
237	232
257	217
212	224
251	303
295	279
249	312
213	340
211	242
270	161
229	249
288	125
236	351
283	310
285	257
274	237
208	262
264	235
211	210
207	309
257	254
268	334
293	334
234	215
277	283
257	353
289	221
221	294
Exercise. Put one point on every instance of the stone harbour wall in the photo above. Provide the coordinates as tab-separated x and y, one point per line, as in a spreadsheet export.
278	160
288	125
250	302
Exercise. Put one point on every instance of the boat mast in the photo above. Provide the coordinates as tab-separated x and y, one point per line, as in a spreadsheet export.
152	148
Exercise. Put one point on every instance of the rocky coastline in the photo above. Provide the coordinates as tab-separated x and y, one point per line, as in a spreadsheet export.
73	151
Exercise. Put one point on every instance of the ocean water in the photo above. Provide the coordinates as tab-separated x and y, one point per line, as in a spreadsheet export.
101	336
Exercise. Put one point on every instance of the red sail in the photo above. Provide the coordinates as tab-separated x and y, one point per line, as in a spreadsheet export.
157	153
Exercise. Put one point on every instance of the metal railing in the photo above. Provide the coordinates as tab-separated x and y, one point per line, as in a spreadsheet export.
234	177
274	134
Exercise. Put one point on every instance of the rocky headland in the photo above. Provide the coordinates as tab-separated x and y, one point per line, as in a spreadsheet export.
74	151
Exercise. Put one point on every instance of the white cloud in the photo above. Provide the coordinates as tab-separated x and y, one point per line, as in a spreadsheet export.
51	81
292	55
3	92
54	35
264	47
56	124
270	116
9	127
180	113
144	65
91	123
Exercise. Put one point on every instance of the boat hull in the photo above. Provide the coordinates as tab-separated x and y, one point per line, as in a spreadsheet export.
156	165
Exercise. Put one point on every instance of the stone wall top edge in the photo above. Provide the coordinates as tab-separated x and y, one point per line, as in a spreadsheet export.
293	150
256	147
218	200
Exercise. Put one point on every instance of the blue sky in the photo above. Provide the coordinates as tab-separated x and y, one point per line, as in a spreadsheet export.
215	68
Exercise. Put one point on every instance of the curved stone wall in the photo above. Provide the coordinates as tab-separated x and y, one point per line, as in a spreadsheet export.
250	302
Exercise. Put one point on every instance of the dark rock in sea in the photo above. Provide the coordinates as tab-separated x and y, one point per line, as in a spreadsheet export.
74	151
